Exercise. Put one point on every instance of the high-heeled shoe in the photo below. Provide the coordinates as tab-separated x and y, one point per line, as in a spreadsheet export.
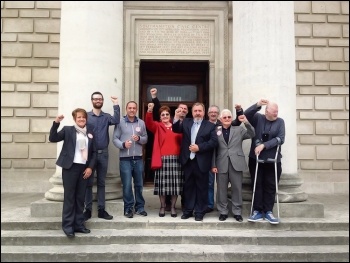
173	209
160	210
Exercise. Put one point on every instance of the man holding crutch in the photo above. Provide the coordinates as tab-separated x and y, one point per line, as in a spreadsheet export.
269	133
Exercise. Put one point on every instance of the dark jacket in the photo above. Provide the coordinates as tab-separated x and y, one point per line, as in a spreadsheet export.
68	134
206	140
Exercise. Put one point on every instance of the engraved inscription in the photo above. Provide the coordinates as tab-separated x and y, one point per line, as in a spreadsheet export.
174	39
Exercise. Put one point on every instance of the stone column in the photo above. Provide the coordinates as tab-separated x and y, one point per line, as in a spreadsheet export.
264	67
91	59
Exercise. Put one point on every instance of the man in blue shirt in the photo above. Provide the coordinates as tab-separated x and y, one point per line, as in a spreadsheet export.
100	122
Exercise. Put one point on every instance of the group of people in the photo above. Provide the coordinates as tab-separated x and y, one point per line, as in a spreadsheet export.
188	154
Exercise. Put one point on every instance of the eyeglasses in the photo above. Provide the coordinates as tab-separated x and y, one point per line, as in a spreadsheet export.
97	99
227	117
164	114
213	112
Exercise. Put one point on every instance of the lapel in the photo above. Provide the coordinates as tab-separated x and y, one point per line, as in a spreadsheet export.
201	127
89	139
189	127
231	134
74	137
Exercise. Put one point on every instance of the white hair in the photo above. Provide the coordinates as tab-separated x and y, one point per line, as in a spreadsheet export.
225	111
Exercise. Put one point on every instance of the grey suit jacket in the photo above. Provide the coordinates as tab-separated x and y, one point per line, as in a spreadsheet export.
232	151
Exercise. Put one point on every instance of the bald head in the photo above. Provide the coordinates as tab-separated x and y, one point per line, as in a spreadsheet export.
271	111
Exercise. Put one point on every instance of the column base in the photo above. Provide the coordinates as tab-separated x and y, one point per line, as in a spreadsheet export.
289	190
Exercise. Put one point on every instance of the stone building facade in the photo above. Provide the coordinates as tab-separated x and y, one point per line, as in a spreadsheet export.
44	42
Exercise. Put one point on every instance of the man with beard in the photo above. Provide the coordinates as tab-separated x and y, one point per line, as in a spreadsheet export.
100	121
198	143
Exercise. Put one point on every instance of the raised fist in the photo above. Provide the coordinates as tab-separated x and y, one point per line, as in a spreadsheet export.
114	99
178	113
59	118
150	107
262	102
153	92
238	107
242	118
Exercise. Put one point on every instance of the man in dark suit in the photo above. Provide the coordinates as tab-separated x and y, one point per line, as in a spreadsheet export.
198	142
77	159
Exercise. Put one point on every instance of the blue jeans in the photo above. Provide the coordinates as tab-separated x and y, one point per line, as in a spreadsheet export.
211	190
132	169
101	172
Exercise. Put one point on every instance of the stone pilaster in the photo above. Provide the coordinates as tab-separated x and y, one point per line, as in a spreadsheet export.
264	67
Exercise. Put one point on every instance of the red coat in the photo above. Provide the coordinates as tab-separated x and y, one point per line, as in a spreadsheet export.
160	135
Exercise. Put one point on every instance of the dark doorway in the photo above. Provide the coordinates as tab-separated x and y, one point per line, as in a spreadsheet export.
177	82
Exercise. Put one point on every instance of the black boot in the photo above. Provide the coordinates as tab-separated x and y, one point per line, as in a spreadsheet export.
103	214
87	214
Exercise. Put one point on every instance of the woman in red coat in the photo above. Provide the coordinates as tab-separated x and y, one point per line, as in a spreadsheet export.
168	178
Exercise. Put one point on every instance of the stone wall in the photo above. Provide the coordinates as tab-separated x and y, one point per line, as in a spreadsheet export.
30	39
30	43
322	65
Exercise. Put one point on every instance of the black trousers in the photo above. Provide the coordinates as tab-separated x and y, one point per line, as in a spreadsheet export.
195	189
265	189
74	186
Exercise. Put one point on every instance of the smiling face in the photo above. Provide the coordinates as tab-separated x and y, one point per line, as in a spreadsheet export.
226	118
97	100
198	111
131	109
165	116
271	111
213	114
80	117
184	110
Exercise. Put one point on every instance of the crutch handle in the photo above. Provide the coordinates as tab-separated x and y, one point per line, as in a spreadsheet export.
270	160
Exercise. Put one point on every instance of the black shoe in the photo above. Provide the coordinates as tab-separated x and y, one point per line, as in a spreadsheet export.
223	217
129	214
141	213
208	210
186	216
239	218
162	212
83	230
70	235
173	209
198	218
87	214
103	214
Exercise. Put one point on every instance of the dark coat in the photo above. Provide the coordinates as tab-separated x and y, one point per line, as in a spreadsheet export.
68	134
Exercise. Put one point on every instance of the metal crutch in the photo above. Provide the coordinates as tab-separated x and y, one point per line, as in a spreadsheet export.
269	160
255	177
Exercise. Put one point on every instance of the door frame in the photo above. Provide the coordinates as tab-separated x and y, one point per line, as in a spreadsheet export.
218	57
170	73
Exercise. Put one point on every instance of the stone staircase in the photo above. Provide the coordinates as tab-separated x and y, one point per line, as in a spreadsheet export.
158	239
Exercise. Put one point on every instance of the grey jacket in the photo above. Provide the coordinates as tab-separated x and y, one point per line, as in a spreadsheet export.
232	151
123	132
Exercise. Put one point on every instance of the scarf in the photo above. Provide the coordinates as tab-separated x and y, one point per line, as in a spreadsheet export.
82	141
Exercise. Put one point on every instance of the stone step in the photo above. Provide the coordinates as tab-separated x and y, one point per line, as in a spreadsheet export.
174	252
176	236
153	222
307	209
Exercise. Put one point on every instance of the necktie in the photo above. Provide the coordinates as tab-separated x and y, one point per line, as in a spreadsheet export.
194	131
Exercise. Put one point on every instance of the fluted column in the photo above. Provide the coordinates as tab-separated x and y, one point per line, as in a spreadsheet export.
91	59
264	67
